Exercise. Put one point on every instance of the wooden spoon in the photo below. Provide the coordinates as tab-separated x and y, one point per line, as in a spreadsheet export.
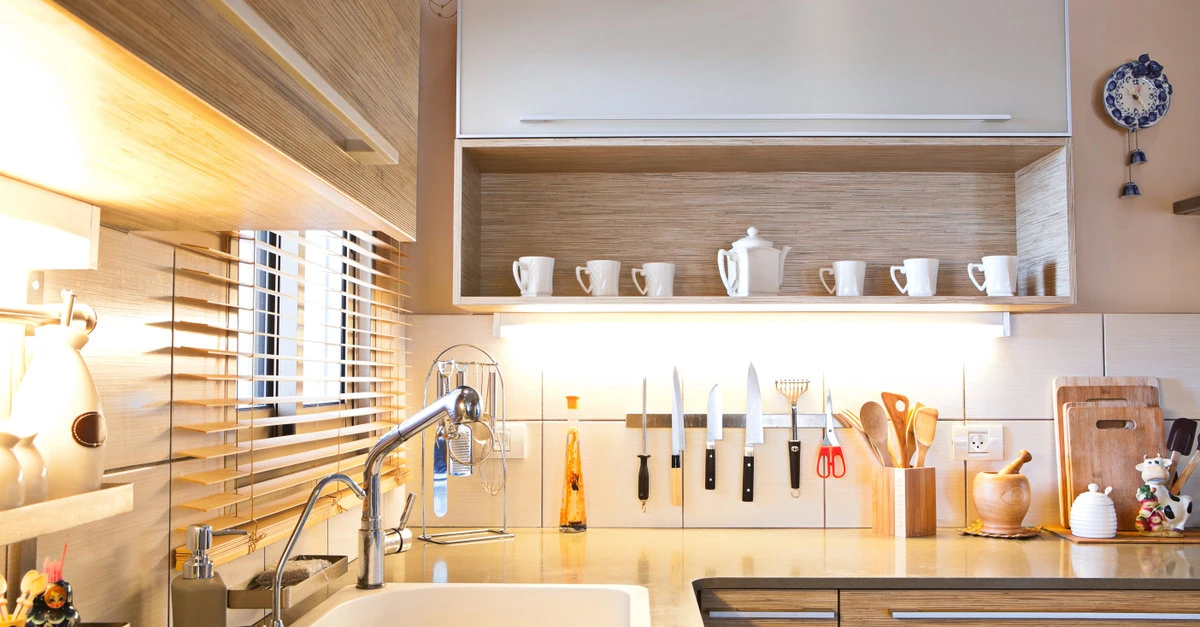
897	409
849	416
875	424
925	428
32	584
910	436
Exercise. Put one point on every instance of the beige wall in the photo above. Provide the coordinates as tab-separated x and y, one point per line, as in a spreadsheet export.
1133	255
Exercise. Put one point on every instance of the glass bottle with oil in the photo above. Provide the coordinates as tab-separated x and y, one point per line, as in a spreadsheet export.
572	517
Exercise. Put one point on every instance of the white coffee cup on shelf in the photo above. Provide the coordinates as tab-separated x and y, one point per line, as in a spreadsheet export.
920	275
660	279
848	277
999	275
602	277
534	276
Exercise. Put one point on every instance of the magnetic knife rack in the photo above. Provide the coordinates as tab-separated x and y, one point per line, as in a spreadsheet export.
733	421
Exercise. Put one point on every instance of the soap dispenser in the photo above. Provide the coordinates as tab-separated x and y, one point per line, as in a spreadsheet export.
199	595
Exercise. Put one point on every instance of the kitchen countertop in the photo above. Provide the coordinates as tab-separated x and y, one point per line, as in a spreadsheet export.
668	561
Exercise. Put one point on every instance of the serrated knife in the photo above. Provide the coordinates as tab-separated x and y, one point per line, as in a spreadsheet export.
714	433
754	432
677	442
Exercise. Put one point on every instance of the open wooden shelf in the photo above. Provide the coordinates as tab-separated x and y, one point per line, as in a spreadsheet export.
38	519
680	200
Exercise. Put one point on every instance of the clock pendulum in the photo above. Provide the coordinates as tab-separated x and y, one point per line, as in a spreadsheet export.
1136	96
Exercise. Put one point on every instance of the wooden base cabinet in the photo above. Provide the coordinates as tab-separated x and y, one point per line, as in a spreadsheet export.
744	608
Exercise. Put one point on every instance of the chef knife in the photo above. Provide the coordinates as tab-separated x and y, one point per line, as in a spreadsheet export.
677	443
714	434
754	433
644	458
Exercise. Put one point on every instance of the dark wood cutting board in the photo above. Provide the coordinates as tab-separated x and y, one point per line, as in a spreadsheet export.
1103	446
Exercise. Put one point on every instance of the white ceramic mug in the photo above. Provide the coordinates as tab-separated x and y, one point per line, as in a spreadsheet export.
660	279
534	275
921	275
999	275
602	277
848	277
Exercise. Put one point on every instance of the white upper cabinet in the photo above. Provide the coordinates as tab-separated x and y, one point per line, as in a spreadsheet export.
576	68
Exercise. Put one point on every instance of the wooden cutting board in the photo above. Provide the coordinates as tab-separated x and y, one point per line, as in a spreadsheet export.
1103	446
1134	390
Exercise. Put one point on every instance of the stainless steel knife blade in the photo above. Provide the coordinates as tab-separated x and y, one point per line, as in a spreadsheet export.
677	441
715	417
754	423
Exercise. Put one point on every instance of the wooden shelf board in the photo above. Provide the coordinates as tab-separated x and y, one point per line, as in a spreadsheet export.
213	477
758	154
46	517
566	304
1188	206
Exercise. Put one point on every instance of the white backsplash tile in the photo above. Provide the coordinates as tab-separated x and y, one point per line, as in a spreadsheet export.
610	469
926	378
1166	346
1011	377
773	505
1037	437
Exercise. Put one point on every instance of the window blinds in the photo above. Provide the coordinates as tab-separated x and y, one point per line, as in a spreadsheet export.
288	363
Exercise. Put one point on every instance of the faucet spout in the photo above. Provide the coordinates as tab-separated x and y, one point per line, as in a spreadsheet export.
460	405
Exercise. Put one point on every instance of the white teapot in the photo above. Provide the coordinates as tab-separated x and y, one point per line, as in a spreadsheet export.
752	267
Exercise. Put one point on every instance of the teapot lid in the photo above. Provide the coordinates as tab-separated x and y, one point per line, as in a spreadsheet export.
752	240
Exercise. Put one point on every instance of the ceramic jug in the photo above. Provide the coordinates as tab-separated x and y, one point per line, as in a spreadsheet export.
58	400
752	266
12	488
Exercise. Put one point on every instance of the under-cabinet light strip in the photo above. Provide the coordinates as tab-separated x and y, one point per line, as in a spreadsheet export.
754	117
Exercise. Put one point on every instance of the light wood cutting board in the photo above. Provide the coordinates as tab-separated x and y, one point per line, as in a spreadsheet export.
1135	390
1103	446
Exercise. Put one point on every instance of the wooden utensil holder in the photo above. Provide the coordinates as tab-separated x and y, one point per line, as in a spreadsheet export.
905	502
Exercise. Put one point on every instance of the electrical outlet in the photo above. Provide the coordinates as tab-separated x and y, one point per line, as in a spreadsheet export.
512	438
977	442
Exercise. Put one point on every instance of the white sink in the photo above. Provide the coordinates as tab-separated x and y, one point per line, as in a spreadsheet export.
479	604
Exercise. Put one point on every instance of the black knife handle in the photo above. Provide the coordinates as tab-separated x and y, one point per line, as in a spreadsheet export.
643	477
748	478
794	462
710	469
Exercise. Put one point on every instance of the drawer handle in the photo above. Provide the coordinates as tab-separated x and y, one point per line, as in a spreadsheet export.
792	615
981	117
370	147
1138	616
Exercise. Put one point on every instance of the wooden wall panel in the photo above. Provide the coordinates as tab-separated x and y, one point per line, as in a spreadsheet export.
1045	242
119	566
129	351
469	222
878	217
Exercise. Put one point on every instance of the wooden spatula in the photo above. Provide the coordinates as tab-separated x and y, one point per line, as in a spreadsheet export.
897	409
924	428
875	424
910	436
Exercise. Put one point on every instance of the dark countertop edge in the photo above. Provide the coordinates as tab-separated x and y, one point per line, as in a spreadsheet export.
943	583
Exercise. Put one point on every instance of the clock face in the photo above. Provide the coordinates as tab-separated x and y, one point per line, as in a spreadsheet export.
1137	94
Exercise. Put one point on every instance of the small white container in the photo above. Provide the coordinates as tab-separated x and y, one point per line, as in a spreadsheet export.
1093	514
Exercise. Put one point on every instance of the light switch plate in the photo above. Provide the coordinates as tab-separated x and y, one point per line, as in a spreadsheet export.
977	442
512	436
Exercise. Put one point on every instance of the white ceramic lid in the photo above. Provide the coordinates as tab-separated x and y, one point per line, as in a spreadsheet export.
752	240
1094	496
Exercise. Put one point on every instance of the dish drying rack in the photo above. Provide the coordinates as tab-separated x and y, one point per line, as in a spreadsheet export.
467	364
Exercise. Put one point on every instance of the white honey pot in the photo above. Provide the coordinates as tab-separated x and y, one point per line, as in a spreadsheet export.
752	266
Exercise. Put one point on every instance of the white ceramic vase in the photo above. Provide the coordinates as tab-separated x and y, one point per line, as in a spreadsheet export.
12	489
58	400
33	469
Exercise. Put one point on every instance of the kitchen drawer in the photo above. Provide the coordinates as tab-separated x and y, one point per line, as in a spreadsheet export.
549	68
1018	607
338	93
744	607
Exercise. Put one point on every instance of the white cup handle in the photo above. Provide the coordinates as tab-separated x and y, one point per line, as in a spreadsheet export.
903	289
727	266
517	268
587	289
971	273
823	282
641	290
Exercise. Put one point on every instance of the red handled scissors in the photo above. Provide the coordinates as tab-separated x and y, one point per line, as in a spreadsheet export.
830	461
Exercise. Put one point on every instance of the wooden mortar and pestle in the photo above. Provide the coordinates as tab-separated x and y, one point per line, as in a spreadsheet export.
1002	498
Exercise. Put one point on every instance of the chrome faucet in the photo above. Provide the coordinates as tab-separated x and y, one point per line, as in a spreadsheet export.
460	405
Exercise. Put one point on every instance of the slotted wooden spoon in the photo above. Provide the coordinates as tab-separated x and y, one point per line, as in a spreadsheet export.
924	428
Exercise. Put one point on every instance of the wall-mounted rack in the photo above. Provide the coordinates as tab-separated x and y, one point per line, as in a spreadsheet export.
731	421
66	312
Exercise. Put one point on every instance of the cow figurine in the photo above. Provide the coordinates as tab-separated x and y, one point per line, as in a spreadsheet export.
1160	509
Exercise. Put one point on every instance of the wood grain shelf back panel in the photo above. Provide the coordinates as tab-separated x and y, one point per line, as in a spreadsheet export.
685	218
